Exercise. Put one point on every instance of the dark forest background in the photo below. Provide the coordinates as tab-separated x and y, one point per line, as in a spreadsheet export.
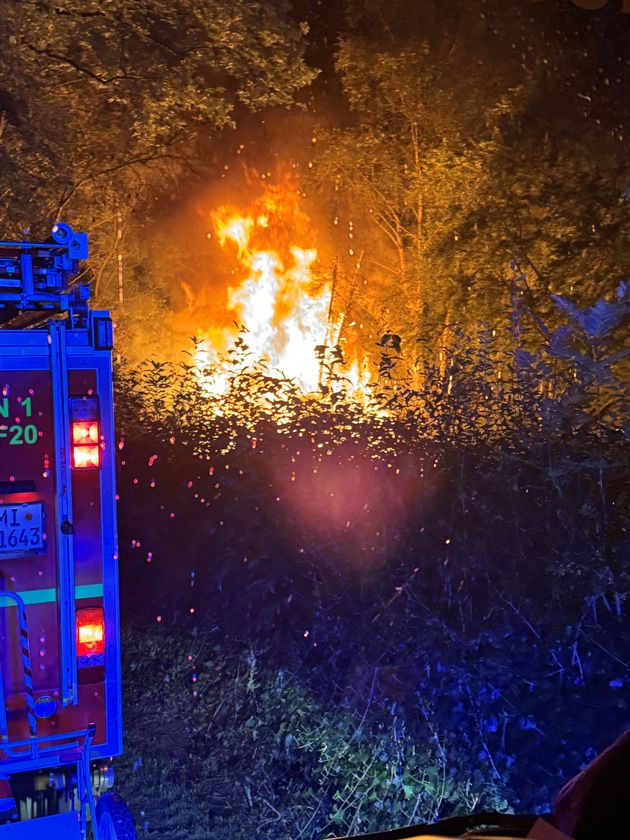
341	617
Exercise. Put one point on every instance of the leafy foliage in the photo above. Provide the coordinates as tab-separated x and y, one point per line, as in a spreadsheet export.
444	167
102	104
341	619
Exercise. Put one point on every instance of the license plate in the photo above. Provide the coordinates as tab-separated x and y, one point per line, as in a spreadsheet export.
22	527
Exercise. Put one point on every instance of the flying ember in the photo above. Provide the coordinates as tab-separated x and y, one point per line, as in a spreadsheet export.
285	311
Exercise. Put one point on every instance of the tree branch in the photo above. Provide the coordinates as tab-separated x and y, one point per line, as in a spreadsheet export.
62	59
146	159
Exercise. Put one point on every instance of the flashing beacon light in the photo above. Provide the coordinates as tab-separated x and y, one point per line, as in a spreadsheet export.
85	433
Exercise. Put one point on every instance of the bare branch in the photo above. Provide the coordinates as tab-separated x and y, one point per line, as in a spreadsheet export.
62	59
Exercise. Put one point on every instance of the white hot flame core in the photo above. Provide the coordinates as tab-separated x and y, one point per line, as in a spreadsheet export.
284	319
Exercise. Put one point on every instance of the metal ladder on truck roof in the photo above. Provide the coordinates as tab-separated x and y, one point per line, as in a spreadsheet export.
35	278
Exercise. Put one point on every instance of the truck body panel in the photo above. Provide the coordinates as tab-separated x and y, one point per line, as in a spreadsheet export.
60	680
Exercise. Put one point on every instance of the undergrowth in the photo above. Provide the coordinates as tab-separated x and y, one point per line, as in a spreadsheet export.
341	618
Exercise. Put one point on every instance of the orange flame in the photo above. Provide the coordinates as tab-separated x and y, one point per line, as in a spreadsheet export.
189	294
287	314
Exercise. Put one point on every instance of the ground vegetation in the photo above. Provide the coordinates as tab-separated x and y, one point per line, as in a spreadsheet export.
343	618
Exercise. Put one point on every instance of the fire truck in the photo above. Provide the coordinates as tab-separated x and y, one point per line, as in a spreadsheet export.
60	673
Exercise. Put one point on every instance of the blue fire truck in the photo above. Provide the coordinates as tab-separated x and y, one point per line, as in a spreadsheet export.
60	678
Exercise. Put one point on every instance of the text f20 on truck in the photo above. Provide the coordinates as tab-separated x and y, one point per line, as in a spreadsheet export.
60	685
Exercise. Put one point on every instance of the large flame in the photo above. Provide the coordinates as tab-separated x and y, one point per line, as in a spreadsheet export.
286	312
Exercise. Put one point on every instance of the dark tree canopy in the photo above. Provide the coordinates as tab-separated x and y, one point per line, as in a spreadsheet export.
98	100
480	142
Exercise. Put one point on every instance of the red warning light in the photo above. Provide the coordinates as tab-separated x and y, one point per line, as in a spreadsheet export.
85	455
85	433
91	633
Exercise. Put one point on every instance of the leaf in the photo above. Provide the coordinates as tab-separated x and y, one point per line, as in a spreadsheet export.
568	308
602	318
523	358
